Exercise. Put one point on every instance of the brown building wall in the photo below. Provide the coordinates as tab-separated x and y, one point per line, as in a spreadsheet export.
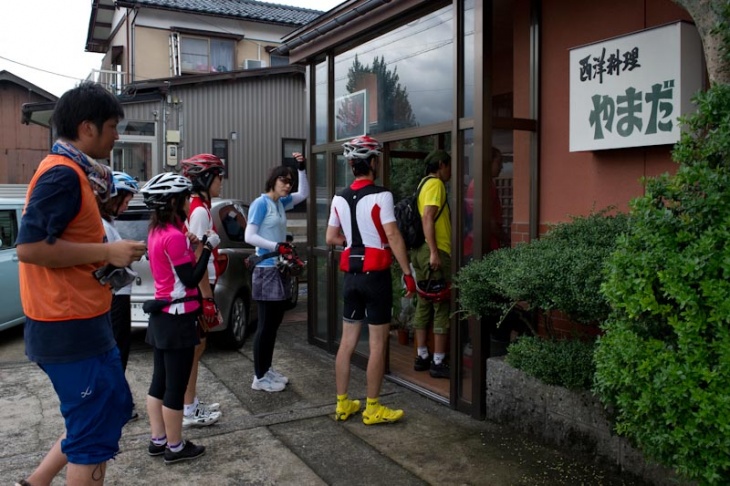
22	147
577	183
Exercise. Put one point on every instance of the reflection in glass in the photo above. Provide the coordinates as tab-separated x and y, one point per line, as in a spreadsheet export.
467	161
320	102
343	174
407	166
406	76
134	158
320	266
136	127
468	88
322	199
501	176
467	208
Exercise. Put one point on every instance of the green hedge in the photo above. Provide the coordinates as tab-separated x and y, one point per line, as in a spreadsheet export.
567	363
560	271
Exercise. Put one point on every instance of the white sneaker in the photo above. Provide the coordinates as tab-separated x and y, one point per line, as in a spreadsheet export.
201	417
267	384
276	376
211	407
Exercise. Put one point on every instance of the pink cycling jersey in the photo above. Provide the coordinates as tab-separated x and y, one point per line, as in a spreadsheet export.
168	247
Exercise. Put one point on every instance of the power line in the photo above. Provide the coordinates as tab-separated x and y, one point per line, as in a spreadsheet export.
42	70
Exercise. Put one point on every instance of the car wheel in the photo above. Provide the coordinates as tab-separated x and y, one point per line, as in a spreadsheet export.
233	336
294	288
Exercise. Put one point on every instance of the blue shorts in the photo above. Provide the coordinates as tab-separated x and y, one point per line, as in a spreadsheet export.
95	404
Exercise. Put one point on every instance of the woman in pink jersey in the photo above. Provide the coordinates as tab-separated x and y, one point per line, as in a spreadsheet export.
177	270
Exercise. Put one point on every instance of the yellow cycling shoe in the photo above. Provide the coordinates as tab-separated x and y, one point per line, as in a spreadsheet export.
346	408
381	415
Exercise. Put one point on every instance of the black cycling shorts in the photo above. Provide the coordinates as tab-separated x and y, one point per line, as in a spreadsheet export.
368	297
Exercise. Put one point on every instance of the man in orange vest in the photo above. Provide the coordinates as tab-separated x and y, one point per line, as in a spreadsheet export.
60	245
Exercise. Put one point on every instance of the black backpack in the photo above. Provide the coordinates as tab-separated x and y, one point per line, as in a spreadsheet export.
408	218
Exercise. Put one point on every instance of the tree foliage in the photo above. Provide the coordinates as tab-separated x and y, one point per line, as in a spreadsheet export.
664	361
394	108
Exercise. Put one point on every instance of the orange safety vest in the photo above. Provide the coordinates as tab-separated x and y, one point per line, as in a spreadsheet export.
61	294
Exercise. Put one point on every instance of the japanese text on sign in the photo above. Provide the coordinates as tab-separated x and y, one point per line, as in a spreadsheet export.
628	111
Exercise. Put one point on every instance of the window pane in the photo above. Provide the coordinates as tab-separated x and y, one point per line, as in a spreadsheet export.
319	264
134	158
279	61
194	54
467	157
406	76
233	220
468	89
343	174
8	228
320	93
322	199
221	55
136	127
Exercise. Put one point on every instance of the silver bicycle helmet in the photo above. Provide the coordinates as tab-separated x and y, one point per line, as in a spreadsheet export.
159	190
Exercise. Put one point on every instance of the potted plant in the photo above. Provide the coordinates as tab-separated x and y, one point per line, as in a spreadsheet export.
403	311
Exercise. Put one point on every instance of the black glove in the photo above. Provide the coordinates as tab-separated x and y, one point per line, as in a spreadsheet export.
301	161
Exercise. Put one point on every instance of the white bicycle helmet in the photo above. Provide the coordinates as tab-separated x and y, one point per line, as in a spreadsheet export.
159	190
125	182
361	148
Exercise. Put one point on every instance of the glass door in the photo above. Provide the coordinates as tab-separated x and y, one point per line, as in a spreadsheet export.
136	156
405	167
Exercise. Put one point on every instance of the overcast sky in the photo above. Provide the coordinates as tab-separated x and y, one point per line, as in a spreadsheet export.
42	41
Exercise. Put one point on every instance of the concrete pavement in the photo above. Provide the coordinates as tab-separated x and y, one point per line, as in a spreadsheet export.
289	438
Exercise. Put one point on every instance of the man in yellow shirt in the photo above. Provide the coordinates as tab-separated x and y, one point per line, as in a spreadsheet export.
432	262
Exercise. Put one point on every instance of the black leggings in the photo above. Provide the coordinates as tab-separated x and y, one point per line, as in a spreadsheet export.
121	315
170	375
271	313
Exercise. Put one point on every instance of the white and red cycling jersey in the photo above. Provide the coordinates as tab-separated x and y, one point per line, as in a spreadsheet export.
373	211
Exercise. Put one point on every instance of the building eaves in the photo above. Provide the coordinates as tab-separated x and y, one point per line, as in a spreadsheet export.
12	78
162	85
240	9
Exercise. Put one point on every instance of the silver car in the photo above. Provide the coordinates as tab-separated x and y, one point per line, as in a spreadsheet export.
11	310
233	289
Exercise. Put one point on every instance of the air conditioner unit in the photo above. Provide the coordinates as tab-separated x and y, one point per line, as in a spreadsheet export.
253	64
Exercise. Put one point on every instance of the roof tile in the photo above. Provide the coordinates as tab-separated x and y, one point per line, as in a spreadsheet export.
244	9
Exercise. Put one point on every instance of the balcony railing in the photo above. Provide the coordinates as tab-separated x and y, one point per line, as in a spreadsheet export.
114	81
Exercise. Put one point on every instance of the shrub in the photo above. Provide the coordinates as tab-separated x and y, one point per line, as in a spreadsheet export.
664	361
567	363
560	271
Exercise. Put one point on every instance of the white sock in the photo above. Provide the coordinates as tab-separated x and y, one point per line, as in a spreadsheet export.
438	358
176	447
423	352
190	409
159	440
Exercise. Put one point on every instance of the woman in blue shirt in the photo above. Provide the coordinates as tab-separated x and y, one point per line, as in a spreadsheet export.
266	230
